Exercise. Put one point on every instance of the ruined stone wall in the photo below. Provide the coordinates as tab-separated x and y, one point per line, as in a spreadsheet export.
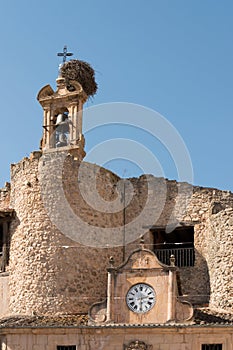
57	260
219	258
210	212
213	245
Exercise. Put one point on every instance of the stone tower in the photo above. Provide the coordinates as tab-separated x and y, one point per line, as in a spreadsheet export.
49	272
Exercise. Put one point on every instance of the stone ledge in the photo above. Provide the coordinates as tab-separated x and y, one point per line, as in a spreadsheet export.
202	317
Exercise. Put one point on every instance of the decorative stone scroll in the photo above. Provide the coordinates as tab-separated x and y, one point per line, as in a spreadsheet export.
137	345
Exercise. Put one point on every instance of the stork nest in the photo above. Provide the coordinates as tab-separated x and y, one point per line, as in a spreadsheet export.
83	73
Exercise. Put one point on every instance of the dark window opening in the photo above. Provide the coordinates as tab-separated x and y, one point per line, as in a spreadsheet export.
2	342
211	347
66	347
1	239
4	245
179	243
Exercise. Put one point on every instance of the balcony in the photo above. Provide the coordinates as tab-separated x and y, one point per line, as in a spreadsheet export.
184	256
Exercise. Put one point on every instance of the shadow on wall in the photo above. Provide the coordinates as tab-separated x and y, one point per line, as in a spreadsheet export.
12	229
194	282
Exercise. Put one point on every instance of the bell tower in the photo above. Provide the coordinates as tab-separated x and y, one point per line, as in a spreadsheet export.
63	108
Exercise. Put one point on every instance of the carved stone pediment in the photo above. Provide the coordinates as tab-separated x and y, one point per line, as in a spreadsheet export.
137	345
45	92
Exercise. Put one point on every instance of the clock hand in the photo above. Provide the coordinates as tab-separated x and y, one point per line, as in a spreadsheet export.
140	304
144	297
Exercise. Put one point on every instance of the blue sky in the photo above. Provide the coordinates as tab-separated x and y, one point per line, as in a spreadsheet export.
172	56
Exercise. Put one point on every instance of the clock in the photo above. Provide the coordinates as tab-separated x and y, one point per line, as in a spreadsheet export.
140	298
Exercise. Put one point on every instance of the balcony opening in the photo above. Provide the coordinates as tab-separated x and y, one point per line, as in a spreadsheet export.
179	243
4	245
1	239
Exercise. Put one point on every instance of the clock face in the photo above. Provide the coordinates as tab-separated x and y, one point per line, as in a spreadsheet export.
140	298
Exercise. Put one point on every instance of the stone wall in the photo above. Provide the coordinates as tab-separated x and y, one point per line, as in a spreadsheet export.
213	242
220	259
59	254
5	197
114	338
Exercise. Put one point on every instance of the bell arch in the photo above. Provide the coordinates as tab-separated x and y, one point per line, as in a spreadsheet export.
63	118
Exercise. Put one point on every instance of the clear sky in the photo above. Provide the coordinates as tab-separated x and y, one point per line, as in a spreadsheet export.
172	56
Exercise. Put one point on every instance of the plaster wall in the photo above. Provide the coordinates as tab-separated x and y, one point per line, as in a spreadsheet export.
171	338
4	294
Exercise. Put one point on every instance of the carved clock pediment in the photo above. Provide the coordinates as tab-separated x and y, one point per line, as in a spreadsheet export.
142	290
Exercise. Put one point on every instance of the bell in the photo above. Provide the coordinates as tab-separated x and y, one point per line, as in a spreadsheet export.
62	123
60	119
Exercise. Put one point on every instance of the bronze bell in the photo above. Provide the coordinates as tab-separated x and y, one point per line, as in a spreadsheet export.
62	123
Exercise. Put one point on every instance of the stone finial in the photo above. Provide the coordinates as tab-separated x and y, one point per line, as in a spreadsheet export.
172	260
111	261
142	241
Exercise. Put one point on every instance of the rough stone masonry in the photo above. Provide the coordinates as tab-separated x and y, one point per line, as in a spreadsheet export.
50	273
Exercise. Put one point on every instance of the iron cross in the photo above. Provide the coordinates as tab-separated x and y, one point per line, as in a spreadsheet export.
64	54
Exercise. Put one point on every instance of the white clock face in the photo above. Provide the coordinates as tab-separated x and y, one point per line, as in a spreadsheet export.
140	298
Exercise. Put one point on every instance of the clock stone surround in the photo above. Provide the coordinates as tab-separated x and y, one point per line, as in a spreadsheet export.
142	266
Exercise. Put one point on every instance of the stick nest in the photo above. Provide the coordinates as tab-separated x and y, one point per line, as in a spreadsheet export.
83	73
